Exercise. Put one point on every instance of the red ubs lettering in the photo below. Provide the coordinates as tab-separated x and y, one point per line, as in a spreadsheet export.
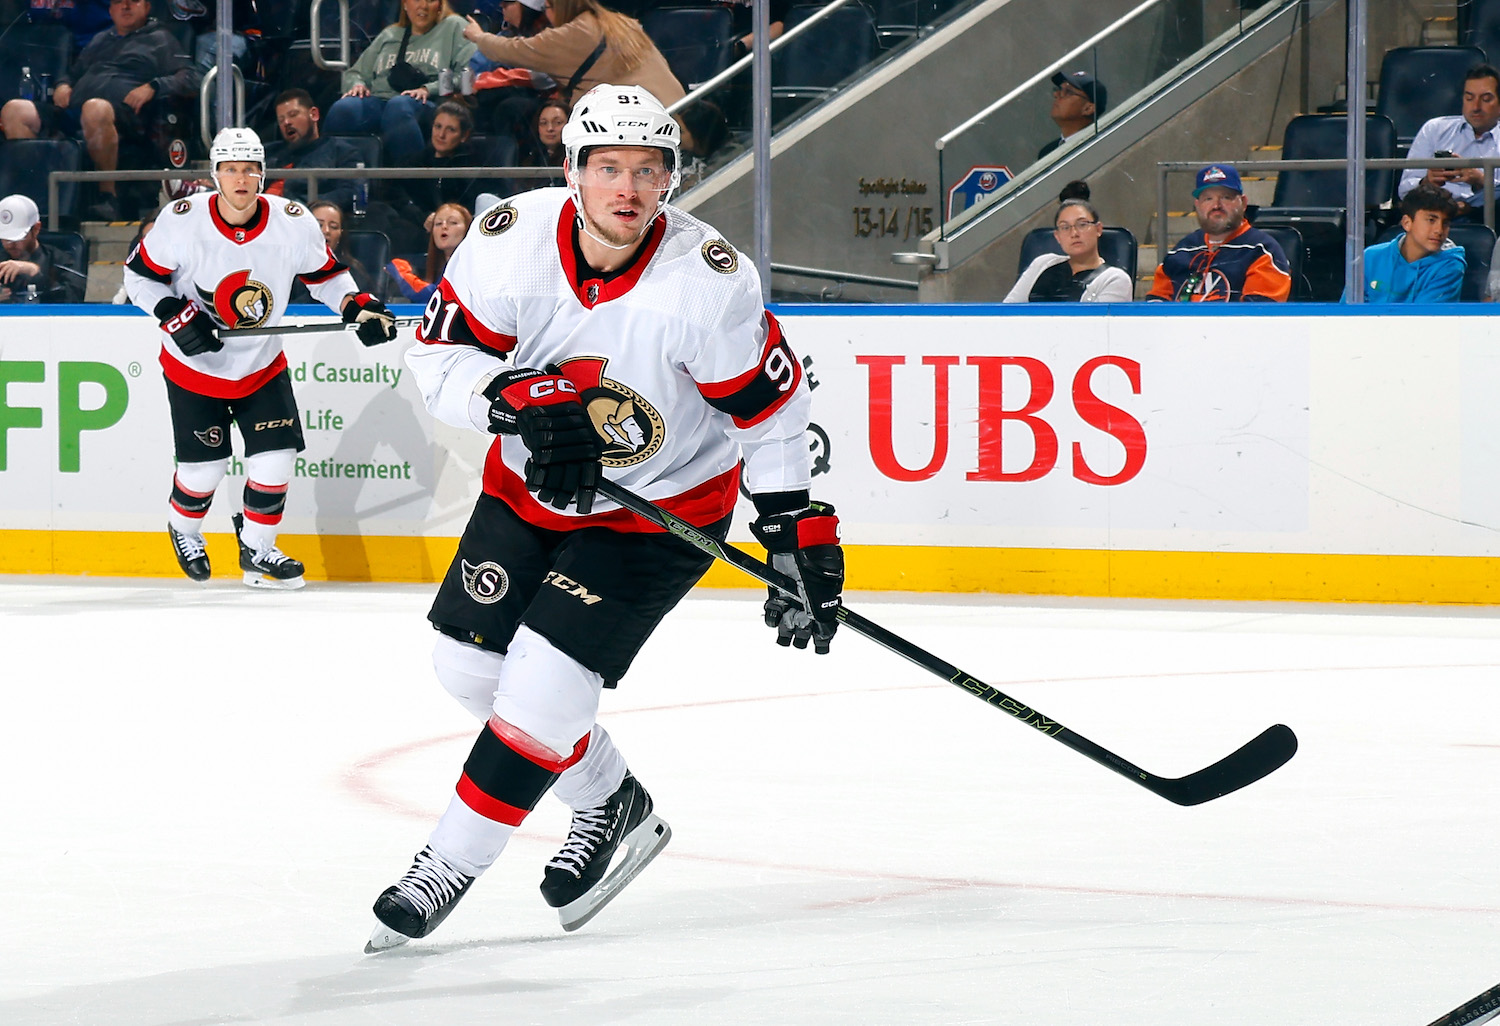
993	413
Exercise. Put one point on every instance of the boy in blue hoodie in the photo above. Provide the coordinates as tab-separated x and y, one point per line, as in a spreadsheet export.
1420	265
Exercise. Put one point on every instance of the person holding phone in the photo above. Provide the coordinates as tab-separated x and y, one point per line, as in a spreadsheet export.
1468	134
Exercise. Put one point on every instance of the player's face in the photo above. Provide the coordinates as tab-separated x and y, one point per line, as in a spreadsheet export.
1220	210
331	220
129	15
1482	104
239	183
423	14
549	125
621	188
297	123
1427	231
447	133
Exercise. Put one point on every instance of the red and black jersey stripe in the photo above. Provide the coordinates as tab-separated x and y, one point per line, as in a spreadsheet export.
331	269
446	321
758	393
141	263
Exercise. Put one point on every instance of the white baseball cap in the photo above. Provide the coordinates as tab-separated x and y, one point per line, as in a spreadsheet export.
17	214
535	5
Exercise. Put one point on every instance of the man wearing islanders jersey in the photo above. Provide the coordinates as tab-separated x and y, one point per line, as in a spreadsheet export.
227	259
596	329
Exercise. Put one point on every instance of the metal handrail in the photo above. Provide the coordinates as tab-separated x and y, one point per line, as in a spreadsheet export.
205	123
1166	167
844	276
55	178
316	43
780	41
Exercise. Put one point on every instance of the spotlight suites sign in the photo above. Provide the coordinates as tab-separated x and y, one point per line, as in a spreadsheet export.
971	433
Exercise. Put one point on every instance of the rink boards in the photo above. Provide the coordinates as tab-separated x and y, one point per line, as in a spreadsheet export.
1142	451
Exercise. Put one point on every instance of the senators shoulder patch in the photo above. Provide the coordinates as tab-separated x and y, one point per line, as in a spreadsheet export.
293	210
721	256
500	219
182	206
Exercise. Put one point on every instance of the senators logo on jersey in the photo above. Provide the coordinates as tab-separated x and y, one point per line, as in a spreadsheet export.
631	428
238	301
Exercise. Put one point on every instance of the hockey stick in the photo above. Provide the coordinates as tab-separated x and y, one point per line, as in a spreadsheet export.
1244	766
1474	1011
302	329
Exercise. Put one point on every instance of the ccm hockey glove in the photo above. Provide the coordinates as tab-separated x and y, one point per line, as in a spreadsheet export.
804	545
543	408
188	325
375	323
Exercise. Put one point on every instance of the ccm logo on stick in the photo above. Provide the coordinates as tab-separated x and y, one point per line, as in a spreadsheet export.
995	407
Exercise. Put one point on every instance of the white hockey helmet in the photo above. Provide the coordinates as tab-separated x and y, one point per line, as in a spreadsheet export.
236	144
610	115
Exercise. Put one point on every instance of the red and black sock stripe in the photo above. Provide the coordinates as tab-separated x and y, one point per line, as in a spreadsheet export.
264	504
189	503
503	784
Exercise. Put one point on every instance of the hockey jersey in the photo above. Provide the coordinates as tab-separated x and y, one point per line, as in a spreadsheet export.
241	275
680	366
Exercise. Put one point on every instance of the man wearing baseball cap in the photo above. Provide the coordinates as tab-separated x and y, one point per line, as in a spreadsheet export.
1225	260
31	272
1078	100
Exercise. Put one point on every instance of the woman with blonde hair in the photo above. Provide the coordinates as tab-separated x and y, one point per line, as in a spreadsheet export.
446	229
587	45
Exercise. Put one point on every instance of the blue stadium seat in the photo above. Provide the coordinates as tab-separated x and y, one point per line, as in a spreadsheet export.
25	164
812	66
373	251
1318	136
73	263
1480	25
697	42
1117	246
1418	83
899	20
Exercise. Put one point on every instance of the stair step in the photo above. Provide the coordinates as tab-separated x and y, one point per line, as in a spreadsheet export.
1440	31
105	279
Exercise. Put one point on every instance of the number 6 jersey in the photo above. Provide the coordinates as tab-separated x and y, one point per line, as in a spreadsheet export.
681	368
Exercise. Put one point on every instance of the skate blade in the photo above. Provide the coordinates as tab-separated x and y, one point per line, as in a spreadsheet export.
383	939
641	845
257	580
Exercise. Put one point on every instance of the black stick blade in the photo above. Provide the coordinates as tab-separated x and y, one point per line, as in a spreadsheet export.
1261	756
1474	1011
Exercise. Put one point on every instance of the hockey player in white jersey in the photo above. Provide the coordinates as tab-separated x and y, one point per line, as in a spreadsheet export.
227	259
595	329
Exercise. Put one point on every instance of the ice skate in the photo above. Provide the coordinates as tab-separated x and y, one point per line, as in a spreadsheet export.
270	569
191	553
415	905
574	882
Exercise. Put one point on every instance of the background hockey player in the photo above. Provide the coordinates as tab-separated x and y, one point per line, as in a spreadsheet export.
595	329
227	259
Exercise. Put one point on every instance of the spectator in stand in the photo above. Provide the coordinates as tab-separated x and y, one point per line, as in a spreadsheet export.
1420	265
1078	274
106	91
744	23
543	146
390	88
588	45
331	219
303	145
449	146
1470	134
450	223
1078	100
1225	260
507	97
32	272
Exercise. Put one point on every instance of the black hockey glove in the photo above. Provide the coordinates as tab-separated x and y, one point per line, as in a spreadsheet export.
804	545
188	325
375	323
543	408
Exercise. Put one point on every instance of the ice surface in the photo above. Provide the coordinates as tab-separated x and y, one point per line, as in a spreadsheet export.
204	788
